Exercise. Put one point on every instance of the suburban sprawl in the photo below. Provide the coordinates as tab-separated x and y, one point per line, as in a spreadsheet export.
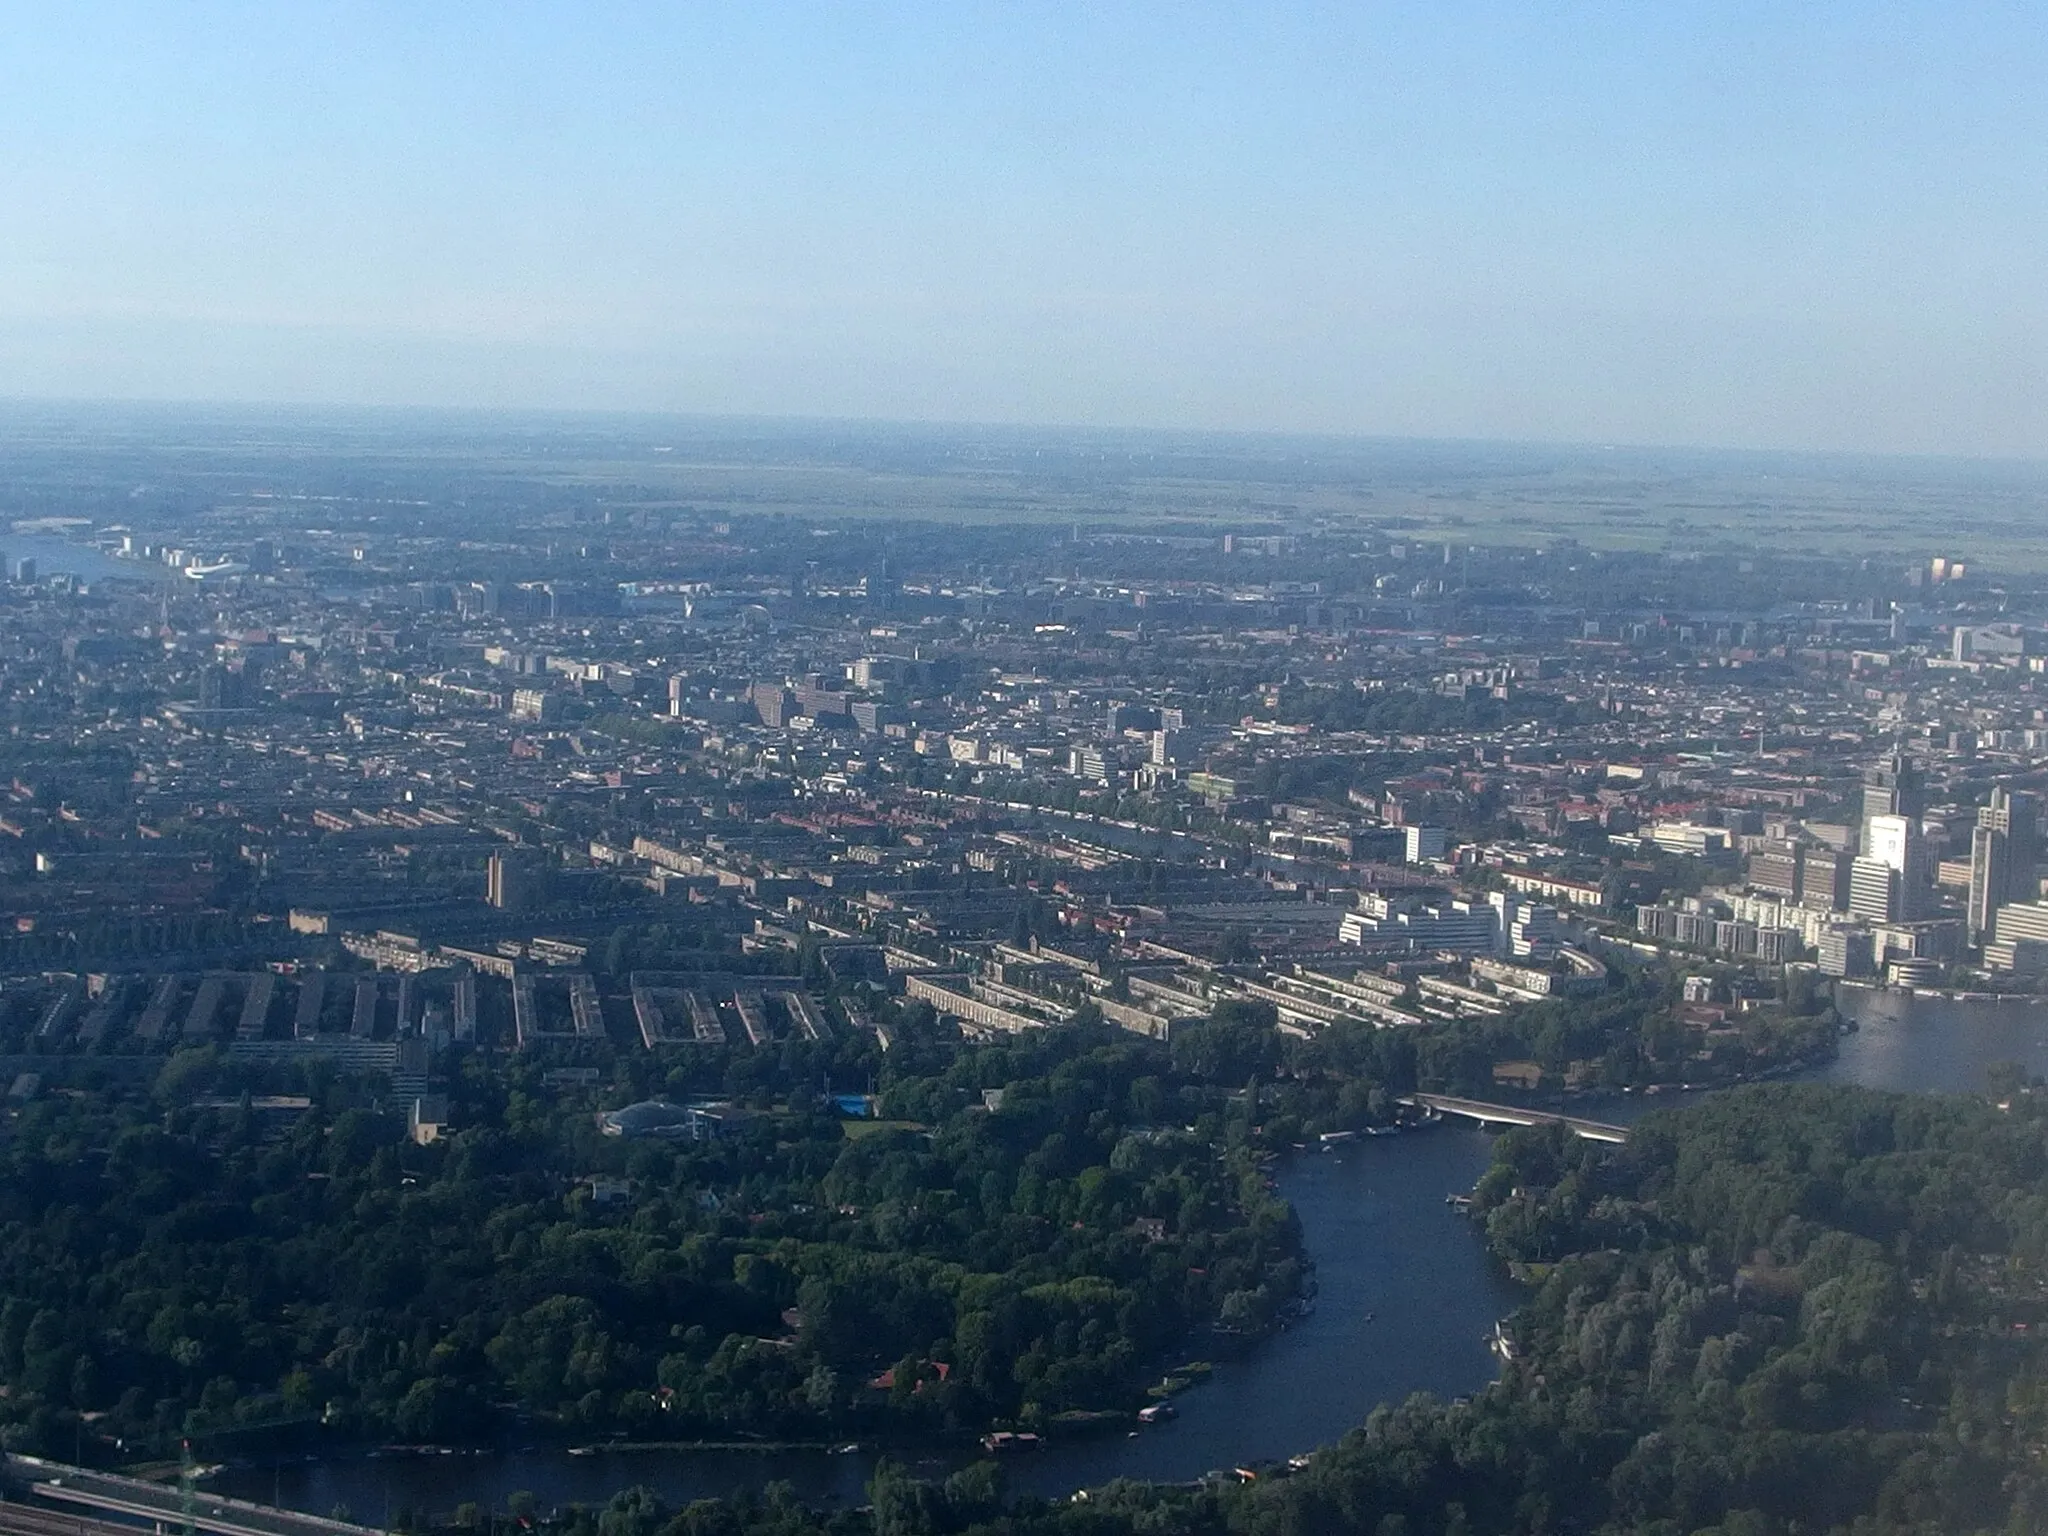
587	951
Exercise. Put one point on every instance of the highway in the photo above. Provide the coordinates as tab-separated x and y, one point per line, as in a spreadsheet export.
87	1503
29	1520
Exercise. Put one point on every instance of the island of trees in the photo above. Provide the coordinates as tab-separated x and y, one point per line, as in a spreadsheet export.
1786	1310
1021	1233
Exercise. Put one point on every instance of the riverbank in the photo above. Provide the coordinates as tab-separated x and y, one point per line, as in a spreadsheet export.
56	554
1946	995
1406	1301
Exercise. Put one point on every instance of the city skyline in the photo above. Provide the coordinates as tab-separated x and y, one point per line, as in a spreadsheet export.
1009	769
715	933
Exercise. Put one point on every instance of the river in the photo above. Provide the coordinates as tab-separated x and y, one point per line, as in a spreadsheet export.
1406	1298
55	555
1936	1045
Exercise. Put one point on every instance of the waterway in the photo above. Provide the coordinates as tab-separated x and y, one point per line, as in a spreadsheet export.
55	555
1936	1044
1406	1297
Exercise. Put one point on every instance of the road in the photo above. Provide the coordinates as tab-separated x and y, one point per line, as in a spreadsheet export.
87	1503
28	1520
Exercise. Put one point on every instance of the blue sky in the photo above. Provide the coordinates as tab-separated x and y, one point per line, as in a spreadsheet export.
1803	225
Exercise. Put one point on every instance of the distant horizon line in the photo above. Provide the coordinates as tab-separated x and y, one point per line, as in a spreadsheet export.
10	403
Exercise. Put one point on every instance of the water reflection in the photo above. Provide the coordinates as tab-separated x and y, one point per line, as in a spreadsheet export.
1935	1045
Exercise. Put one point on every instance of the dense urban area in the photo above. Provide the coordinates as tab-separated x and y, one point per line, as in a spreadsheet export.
513	949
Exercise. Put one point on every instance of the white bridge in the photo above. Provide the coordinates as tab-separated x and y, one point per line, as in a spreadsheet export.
1511	1114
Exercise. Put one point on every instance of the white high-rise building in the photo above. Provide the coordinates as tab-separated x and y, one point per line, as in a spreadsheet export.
1425	844
1891	841
1895	842
1875	891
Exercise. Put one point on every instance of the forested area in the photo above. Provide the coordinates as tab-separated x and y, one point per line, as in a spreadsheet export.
182	1259
1785	1309
197	1261
1788	1309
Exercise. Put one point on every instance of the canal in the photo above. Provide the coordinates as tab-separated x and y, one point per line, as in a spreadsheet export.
1406	1297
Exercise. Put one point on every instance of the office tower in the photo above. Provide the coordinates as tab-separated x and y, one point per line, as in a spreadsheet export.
1893	787
1874	888
2019	939
220	688
1527	930
1824	878
514	883
811	697
1895	842
1847	952
2001	858
1776	867
1891	840
1089	761
1424	843
1990	871
881	584
536	706
1170	747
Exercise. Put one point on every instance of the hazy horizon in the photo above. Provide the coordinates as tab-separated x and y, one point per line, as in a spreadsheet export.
1715	228
792	426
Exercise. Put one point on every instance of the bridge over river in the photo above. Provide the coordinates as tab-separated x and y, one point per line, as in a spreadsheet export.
1514	1114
